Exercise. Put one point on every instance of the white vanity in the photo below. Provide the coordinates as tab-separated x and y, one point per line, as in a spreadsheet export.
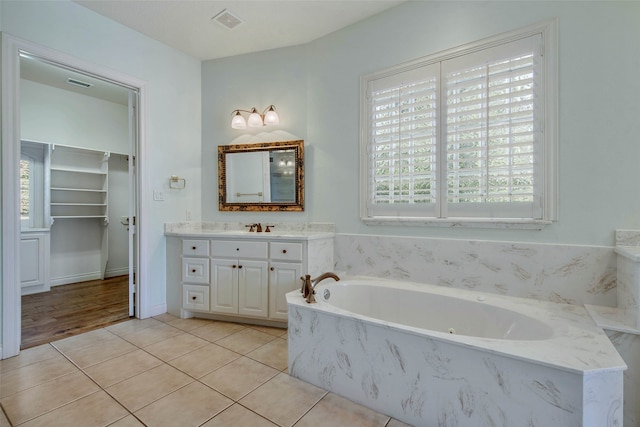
223	271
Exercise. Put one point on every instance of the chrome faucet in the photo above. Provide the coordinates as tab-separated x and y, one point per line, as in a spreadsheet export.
308	285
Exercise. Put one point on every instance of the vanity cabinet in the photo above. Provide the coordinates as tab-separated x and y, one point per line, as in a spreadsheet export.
246	278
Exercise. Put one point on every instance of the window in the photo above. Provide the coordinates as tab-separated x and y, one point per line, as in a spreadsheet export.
465	135
32	195
25	190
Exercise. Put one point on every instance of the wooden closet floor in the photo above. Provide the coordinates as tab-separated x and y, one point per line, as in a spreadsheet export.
72	309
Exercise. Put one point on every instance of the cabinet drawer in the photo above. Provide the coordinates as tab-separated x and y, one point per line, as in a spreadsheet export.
195	297
286	251
239	249
192	247
195	270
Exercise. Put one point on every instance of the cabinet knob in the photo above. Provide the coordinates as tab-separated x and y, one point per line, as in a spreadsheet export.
272	269
194	298
193	270
239	266
193	248
284	251
233	266
237	249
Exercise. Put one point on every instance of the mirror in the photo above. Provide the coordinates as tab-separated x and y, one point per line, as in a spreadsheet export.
266	176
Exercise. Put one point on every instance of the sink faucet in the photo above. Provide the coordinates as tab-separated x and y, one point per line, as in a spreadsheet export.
308	285
258	227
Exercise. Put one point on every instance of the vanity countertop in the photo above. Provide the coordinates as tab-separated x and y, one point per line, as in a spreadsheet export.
235	231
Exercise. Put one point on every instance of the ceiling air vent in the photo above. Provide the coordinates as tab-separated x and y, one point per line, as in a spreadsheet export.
78	83
227	19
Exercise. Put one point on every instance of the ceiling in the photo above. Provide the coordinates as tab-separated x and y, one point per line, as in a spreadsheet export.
187	25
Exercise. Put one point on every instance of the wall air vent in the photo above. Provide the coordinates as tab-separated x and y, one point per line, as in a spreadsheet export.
78	83
227	19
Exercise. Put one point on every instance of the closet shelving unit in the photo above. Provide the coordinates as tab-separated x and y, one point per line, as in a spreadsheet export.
79	184
78	189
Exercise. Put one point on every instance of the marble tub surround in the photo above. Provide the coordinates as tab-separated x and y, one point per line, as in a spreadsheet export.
627	237
433	378
571	274
239	229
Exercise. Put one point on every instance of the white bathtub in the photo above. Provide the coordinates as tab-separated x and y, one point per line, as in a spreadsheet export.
429	355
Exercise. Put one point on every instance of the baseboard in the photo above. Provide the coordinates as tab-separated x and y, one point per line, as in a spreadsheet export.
157	310
117	272
57	281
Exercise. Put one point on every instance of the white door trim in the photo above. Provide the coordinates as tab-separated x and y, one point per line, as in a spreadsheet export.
11	47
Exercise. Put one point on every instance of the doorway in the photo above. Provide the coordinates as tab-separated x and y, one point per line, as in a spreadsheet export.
14	51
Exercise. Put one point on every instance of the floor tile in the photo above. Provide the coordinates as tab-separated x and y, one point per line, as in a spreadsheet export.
238	415
214	331
38	400
97	409
96	353
122	367
283	399
166	317
36	373
239	377
274	354
334	410
4	422
189	406
83	340
133	325
154	334
128	421
188	324
175	346
276	332
245	341
28	357
149	386
200	362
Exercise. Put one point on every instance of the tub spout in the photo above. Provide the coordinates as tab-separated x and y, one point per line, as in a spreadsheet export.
308	285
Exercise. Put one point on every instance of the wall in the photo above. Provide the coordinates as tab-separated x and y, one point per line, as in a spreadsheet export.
173	117
599	127
57	116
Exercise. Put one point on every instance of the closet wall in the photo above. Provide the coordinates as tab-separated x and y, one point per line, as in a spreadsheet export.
78	247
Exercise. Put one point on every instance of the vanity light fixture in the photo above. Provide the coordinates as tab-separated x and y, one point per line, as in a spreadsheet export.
268	117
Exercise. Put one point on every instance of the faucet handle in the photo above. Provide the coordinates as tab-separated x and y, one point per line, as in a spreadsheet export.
268	230
250	229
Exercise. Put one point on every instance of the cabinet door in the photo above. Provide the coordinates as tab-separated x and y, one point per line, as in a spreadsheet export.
224	286
253	288
283	277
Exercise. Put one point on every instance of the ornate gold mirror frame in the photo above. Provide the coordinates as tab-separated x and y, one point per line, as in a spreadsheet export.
272	148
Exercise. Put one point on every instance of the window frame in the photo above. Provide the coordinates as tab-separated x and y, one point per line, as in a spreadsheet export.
549	148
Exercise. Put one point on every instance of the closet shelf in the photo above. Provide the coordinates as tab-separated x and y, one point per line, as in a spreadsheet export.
72	170
87	190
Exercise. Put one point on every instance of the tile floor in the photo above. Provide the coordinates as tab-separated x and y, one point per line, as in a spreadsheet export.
166	371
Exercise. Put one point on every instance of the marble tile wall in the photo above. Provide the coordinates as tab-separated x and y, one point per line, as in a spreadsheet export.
559	273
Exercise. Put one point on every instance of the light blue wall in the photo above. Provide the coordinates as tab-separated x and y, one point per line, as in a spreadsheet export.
173	132
599	119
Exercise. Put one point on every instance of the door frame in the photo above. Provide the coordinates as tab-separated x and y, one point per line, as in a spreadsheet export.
11	294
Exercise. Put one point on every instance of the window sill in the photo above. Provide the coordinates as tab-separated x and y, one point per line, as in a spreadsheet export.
498	223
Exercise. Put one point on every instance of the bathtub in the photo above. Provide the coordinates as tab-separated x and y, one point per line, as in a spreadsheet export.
435	356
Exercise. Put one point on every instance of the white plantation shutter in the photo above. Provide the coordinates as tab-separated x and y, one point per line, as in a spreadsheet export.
458	137
491	131
402	152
